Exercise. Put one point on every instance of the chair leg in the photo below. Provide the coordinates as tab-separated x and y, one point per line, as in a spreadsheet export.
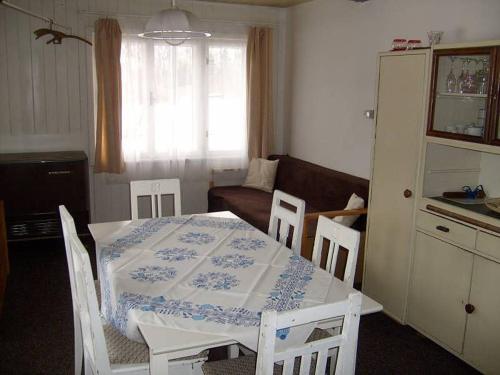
88	368
78	348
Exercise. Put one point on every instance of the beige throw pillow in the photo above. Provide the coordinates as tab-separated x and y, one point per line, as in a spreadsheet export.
261	174
354	202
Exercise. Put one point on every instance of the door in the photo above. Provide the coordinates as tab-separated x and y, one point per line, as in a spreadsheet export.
482	337
399	129
439	290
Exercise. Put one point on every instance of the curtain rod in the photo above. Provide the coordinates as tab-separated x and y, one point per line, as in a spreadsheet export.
30	13
130	15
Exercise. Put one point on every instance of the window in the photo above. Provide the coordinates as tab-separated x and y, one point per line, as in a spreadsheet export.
184	102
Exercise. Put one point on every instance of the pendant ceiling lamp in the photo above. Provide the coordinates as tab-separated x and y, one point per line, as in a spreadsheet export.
175	26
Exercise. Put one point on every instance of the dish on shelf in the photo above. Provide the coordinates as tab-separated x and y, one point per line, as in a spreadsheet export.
493	204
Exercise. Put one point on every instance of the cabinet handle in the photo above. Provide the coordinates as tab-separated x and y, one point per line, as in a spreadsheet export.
469	309
407	193
443	229
53	173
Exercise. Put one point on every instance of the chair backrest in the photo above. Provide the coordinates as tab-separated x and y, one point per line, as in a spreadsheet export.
155	189
283	219
339	236
68	227
94	344
346	342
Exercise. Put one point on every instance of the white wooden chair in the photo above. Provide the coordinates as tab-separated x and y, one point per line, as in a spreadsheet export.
68	227
283	218
313	355
155	189
105	350
339	236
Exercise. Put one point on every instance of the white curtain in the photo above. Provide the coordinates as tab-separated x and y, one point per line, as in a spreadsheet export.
184	107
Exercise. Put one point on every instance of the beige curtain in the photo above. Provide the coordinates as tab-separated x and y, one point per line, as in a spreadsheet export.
260	92
108	151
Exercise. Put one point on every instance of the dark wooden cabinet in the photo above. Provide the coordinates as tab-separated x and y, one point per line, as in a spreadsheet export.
33	185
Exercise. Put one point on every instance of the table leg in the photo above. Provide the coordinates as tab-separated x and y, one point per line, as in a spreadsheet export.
158	364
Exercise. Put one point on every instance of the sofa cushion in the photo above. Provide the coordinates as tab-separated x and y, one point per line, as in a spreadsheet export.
261	174
252	205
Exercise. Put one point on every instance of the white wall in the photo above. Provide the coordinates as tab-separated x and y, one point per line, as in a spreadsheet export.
334	46
46	101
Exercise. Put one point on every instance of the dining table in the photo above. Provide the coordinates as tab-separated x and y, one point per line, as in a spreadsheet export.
184	284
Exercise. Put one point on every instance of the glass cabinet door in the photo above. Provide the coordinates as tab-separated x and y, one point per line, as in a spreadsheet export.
461	89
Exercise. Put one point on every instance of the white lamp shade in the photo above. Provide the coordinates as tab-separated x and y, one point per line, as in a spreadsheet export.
174	24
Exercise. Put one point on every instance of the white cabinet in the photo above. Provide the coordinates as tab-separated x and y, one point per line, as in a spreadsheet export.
453	294
482	337
401	103
439	290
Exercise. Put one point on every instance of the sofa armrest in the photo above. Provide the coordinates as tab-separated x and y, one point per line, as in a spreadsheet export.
331	214
311	219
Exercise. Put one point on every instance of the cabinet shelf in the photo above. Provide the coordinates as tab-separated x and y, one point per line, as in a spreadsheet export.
461	96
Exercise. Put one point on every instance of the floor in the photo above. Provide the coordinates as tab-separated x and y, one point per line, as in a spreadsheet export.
36	331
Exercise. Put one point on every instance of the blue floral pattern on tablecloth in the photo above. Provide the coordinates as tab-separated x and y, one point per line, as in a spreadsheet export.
247	244
233	261
137	236
196	238
215	281
289	290
176	254
237	316
287	293
218	223
153	274
115	250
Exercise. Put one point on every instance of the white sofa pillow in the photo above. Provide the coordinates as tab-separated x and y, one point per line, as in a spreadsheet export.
355	202
261	174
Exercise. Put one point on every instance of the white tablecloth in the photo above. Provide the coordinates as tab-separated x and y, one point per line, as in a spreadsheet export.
204	274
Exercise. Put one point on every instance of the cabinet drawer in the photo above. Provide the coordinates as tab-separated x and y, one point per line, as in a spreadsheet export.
447	229
488	244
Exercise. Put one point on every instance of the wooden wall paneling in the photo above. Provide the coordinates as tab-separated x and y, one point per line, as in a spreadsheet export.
61	72
83	52
4	87
123	7
93	4
25	83
14	91
50	85
157	5
38	68
140	8
112	6
71	46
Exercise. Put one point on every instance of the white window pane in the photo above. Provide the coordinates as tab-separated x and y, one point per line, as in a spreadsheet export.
172	99
227	98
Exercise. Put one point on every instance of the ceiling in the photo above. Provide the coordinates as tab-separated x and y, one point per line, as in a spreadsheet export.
273	3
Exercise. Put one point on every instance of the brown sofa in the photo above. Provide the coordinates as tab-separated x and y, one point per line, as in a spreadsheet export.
324	190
